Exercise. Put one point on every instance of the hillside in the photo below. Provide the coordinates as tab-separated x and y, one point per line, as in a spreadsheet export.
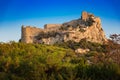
21	61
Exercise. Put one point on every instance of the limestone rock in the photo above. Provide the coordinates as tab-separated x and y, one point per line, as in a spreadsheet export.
82	51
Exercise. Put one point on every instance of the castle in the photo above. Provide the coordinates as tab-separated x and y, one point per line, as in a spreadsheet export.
87	27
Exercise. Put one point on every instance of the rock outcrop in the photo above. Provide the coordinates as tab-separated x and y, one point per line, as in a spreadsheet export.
87	27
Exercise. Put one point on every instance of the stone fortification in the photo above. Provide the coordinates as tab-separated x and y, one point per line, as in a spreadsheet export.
87	27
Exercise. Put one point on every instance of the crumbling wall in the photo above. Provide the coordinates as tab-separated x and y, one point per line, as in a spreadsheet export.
52	27
28	34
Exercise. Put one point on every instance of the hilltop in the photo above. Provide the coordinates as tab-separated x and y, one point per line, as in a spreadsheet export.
87	27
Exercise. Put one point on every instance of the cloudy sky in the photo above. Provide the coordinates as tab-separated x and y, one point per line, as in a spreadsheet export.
15	13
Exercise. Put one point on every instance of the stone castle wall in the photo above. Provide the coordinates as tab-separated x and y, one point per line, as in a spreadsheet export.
28	33
52	27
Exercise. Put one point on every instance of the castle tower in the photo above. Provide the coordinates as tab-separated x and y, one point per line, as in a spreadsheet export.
25	36
84	16
28	34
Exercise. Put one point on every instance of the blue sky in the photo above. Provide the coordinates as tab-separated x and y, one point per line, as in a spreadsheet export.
15	13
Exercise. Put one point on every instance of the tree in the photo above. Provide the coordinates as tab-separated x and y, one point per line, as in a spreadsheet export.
115	38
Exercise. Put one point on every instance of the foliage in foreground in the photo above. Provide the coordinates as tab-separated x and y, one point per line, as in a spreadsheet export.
19	61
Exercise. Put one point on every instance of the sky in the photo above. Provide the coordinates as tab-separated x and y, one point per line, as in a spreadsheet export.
15	13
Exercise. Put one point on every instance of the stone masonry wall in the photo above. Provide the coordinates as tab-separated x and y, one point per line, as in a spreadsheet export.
28	34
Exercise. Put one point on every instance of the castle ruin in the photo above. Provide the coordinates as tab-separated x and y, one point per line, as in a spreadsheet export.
87	27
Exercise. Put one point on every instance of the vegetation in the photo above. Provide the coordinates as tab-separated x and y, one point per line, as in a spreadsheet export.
115	38
83	44
20	61
89	22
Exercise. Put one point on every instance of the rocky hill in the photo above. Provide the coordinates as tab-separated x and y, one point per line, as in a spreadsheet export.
87	27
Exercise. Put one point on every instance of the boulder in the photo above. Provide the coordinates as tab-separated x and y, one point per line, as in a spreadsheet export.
81	51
